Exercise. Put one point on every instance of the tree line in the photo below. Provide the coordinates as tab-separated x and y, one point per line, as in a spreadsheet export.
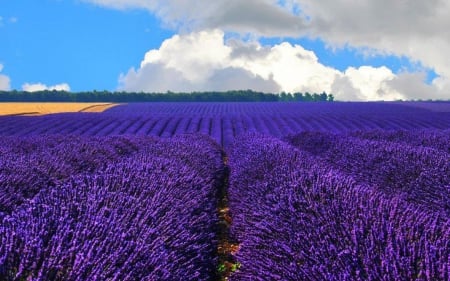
213	96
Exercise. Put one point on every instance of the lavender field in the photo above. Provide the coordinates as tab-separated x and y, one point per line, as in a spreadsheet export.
224	121
227	191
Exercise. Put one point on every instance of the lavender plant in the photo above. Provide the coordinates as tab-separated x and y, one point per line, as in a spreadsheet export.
416	173
147	217
297	218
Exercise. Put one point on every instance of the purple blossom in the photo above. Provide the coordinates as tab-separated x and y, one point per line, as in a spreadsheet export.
151	216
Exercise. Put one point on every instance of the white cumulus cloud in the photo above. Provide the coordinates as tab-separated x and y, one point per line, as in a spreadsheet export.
5	82
194	62
370	83
35	87
412	28
195	55
202	61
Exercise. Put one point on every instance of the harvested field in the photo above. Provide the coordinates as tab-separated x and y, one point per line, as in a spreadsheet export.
41	108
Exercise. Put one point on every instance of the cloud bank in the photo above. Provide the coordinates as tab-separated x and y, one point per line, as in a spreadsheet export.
263	17
42	87
202	61
5	82
412	28
417	29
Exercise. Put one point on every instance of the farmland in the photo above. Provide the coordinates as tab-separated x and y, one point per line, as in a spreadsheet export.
39	108
224	121
236	191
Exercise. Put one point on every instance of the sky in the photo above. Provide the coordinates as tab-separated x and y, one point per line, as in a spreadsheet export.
358	50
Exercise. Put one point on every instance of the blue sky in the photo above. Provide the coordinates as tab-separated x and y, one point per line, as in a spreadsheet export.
77	43
101	44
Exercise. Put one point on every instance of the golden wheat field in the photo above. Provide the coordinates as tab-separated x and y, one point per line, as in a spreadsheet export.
40	108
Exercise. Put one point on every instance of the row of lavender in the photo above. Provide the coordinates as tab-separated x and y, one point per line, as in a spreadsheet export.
308	108
118	208
32	163
415	173
341	207
225	121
